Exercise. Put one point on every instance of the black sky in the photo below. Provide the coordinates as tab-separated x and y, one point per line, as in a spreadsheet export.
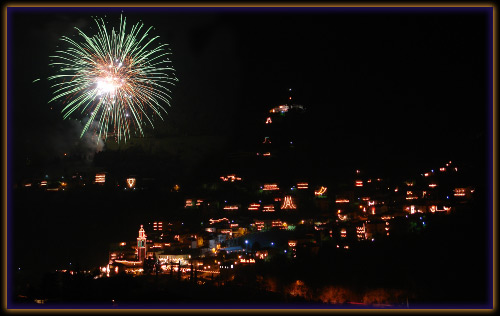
384	88
383	85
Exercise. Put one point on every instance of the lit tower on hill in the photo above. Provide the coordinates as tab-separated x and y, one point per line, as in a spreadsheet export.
284	108
141	245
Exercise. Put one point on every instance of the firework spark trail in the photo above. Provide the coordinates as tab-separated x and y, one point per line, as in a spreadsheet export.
115	78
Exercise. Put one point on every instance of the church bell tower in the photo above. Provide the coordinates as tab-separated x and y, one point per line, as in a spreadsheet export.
141	245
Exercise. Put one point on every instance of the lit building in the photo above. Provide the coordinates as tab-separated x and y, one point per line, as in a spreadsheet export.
268	208
158	226
121	251
131	182
216	221
285	107
410	195
341	201
280	109
412	209
302	185
343	233
321	192
270	187
463	192
230	178
175	258
254	207
288	203
259	225
141	245
100	178
292	244
360	232
277	223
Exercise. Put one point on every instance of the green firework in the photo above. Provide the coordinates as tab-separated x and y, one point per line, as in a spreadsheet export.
115	78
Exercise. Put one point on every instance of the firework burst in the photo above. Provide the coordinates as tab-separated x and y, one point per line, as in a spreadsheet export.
118	79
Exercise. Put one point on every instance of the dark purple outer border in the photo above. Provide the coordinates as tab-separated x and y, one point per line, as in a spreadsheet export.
490	154
329	10
9	160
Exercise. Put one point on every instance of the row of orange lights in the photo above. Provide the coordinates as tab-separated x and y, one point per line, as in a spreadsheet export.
231	178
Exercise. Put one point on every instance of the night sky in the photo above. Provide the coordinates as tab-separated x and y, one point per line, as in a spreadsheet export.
395	90
382	86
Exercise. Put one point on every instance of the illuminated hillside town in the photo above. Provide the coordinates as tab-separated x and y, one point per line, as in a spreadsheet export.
242	222
243	157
